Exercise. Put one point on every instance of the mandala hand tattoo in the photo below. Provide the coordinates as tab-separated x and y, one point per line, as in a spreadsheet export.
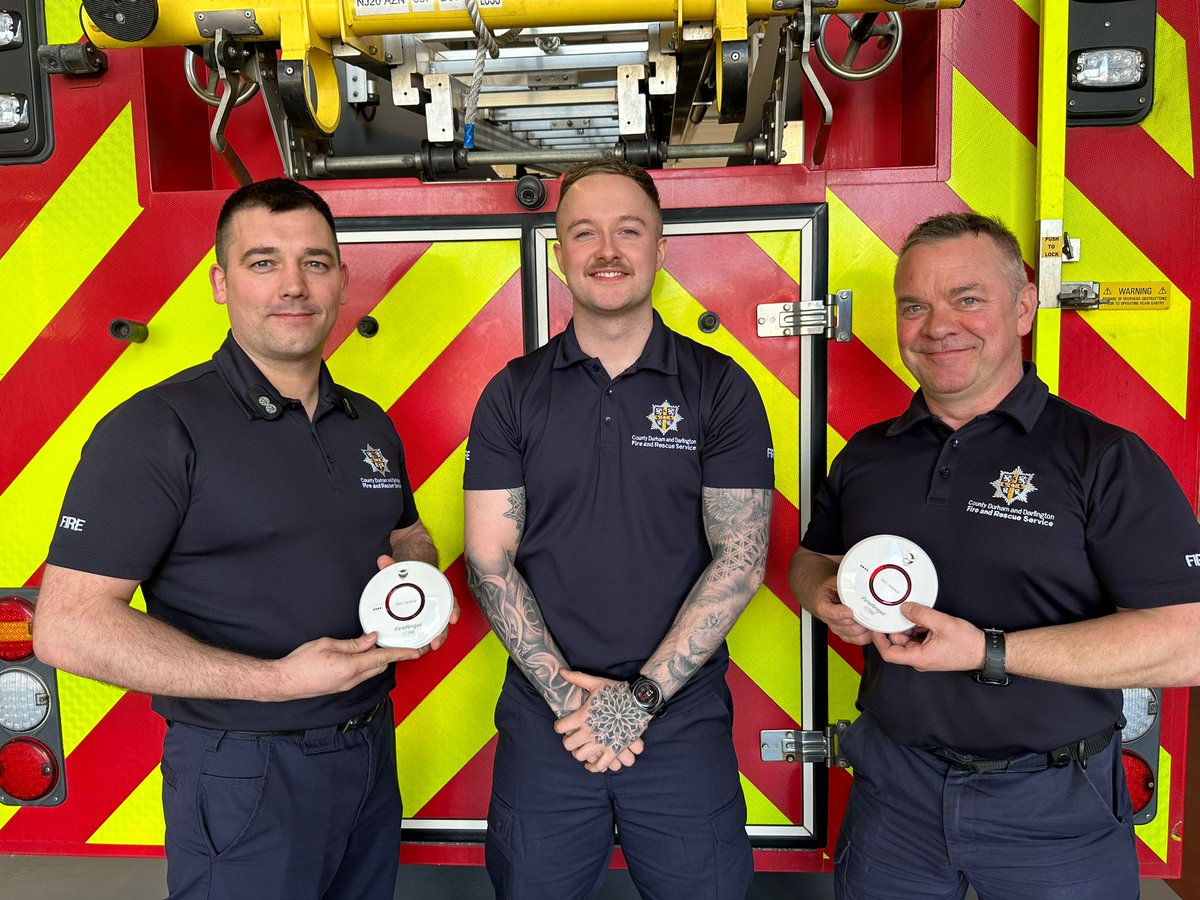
614	718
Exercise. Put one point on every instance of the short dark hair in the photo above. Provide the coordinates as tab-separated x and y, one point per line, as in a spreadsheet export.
276	195
609	166
957	224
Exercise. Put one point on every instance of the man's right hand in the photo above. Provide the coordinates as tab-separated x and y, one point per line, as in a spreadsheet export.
828	607
330	666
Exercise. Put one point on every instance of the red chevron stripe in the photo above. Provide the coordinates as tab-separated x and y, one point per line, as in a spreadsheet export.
416	678
754	710
785	537
1095	377
434	415
689	261
466	795
1153	202
891	210
862	390
74	351
106	767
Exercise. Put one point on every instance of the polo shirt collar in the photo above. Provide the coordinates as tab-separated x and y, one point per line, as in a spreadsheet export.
257	396
658	353
1023	404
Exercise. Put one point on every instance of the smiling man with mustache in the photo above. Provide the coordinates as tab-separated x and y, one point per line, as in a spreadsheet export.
618	496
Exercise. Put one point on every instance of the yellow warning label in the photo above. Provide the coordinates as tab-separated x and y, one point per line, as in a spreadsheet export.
1052	246
1135	295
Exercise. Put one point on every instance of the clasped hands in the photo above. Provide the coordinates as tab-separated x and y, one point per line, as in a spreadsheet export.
605	732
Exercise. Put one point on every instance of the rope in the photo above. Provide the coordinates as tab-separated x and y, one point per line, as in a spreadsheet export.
487	45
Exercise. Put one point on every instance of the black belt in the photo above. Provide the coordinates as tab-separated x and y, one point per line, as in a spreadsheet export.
1078	751
349	725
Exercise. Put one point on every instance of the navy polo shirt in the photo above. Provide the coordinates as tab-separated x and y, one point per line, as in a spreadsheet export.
252	533
613	470
1037	513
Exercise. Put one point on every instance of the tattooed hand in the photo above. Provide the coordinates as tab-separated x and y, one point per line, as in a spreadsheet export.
605	732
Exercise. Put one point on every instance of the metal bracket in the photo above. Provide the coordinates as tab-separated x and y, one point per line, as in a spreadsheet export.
234	22
839	318
1079	295
791	745
631	104
830	317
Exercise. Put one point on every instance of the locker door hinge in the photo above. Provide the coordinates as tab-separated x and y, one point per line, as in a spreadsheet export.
830	317
793	745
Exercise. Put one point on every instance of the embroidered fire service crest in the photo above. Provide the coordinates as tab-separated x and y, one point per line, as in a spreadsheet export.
664	417
1014	485
374	458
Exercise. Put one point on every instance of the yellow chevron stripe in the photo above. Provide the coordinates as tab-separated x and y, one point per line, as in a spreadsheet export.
760	810
187	330
1156	834
858	259
680	311
426	309
65	241
985	143
834	443
62	22
783	247
138	821
440	501
1153	342
432	746
1169	121
765	644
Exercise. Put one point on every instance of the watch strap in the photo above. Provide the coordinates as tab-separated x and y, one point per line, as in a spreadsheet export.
993	672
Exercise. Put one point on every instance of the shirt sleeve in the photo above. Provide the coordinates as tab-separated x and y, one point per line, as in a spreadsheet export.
494	460
129	494
737	451
1142	537
824	533
410	515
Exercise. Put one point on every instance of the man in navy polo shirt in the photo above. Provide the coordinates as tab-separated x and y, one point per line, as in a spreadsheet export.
985	752
251	498
618	494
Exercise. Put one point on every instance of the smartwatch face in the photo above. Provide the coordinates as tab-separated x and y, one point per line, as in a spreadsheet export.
646	693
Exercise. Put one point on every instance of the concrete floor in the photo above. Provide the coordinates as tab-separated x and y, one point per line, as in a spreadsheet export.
95	878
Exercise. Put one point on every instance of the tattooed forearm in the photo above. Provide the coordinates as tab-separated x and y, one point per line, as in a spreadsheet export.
614	719
516	510
513	612
737	522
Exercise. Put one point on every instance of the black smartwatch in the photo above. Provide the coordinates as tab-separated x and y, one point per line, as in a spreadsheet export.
993	659
647	695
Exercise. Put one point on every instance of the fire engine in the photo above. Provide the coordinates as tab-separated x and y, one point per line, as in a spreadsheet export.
794	143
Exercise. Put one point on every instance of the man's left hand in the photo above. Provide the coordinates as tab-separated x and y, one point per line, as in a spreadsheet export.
605	733
383	562
938	643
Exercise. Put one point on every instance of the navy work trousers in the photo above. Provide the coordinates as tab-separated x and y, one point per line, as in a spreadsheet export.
679	809
917	828
310	816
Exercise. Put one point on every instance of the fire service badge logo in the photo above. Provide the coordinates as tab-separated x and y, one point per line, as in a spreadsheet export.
1014	485
664	417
